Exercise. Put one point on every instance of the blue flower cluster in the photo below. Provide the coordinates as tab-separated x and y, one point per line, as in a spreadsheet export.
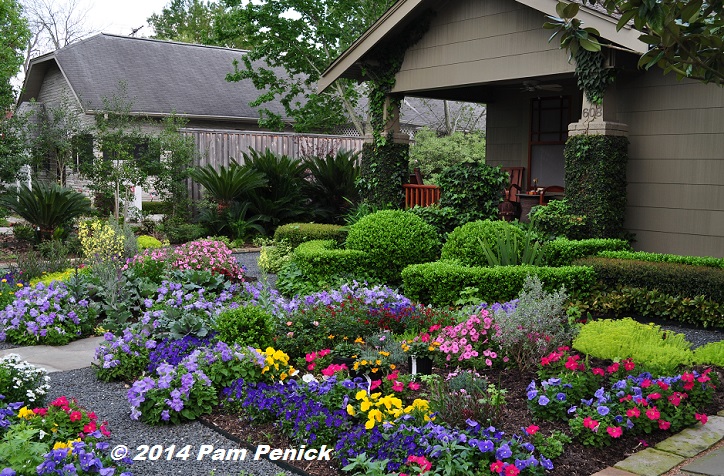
83	458
173	351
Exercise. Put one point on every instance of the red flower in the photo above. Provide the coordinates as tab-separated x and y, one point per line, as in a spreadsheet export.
663	385
655	396
653	414
633	412
92	416
511	470
75	416
629	365
104	429
598	371
612	368
414	386
701	417
614	431
397	387
40	411
90	427
664	425
627	398
375	384
590	423
60	402
687	377
532	429
497	467
646	383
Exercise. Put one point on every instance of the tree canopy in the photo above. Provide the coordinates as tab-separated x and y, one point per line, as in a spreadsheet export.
302	37
15	34
685	37
198	21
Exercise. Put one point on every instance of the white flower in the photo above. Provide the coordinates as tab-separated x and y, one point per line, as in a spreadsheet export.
307	378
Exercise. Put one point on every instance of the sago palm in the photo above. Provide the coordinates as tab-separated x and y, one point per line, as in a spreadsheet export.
46	206
228	184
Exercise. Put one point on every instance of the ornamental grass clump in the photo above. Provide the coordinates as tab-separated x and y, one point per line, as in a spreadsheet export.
662	352
46	315
537	325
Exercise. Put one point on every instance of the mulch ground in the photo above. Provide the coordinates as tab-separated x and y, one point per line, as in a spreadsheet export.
577	460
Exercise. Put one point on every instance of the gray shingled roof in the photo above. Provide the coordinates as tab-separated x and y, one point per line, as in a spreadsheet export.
161	76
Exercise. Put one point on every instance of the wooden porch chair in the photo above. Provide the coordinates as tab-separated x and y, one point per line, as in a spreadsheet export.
551	188
516	178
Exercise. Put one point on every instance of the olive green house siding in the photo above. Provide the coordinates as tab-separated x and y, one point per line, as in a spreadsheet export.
496	52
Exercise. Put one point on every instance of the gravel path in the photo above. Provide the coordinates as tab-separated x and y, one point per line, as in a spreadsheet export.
249	261
108	400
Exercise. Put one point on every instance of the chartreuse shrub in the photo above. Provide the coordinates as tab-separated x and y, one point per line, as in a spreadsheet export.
392	240
622	301
273	255
710	354
246	326
562	251
297	233
665	258
671	278
146	242
442	282
464	243
100	241
48	278
660	352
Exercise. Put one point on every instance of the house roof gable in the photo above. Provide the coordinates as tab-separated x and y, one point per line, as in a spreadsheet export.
405	11
161	77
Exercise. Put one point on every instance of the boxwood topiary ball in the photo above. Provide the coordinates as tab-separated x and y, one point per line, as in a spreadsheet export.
394	239
463	244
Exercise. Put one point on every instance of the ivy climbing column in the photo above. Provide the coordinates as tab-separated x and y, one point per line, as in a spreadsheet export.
596	156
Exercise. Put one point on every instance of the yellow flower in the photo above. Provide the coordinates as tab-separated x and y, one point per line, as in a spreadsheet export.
4	280
330	336
360	395
366	405
26	413
359	340
350	410
378	362
20	285
384	353
370	424
393	366
283	376
374	370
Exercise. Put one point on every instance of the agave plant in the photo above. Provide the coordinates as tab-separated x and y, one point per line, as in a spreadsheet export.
331	185
228	184
46	206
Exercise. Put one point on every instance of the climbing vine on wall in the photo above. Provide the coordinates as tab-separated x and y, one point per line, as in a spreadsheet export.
384	163
593	77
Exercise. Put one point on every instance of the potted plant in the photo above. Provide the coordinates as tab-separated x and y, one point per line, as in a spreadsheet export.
420	349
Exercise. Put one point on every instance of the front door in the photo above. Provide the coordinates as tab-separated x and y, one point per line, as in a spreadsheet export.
549	121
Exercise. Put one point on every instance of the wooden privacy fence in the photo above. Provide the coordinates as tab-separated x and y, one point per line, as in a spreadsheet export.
218	147
422	195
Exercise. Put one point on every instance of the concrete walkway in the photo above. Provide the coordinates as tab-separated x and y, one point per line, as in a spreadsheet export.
76	355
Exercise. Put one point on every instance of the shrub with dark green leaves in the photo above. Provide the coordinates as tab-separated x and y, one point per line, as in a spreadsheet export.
665	258
297	233
671	278
474	190
392	240
625	301
556	219
319	264
441	283
247	326
463	244
660	352
562	251
444	219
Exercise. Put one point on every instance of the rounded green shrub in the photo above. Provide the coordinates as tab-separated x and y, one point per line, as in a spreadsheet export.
393	240
463	244
148	242
657	351
246	326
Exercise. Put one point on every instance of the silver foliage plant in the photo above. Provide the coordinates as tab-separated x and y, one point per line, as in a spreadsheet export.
536	326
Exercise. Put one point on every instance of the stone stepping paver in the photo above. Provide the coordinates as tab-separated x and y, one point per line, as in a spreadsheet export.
677	449
709	465
649	462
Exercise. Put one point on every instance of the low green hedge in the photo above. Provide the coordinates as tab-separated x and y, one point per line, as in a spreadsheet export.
441	283
625	301
463	244
298	233
320	260
562	251
665	258
155	208
671	278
